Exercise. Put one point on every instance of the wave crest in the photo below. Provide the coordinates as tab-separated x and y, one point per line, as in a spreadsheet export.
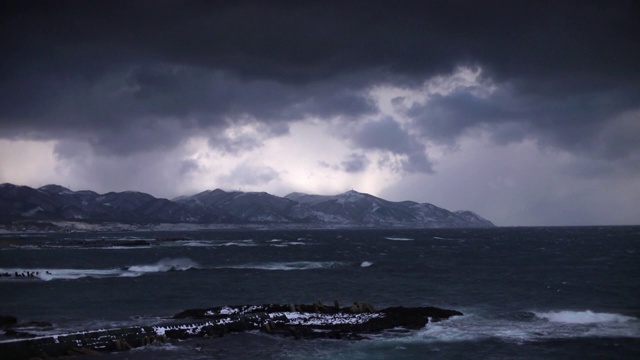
166	264
582	317
293	265
396	238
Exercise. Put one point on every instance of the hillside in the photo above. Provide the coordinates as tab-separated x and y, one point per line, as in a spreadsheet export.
352	208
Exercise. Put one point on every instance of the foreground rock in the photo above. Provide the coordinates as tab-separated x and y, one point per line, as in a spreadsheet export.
323	321
296	321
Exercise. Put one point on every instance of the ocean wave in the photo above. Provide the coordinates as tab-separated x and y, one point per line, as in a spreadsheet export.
56	274
194	243
443	238
583	317
167	264
248	242
366	264
287	266
88	246
286	243
398	238
208	243
46	274
119	247
570	324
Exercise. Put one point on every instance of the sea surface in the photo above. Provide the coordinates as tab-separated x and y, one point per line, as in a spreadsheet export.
527	293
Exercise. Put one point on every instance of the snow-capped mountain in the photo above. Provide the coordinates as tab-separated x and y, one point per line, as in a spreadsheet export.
352	208
364	209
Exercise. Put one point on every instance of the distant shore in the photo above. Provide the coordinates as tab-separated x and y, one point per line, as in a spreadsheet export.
78	226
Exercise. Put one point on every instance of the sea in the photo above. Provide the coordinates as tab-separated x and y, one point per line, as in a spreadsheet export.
526	292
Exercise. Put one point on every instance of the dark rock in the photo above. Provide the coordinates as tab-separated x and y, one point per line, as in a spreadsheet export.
18	334
7	321
307	322
319	321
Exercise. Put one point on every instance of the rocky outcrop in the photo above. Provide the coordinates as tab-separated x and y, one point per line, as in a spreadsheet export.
313	321
7	321
324	321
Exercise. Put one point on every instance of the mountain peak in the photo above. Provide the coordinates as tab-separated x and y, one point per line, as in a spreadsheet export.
351	208
56	189
295	195
352	193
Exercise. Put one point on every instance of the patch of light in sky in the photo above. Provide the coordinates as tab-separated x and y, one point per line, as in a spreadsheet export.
31	163
309	160
518	183
462	77
394	101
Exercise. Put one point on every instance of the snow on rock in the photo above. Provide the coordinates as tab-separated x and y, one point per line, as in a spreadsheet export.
32	212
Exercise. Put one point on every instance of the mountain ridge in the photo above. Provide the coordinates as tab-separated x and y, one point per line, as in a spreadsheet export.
57	203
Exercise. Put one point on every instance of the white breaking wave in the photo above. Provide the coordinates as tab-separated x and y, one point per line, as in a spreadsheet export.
46	274
247	242
583	317
194	243
398	238
286	244
570	324
56	274
117	247
442	238
366	264
208	243
287	266
76	247
163	265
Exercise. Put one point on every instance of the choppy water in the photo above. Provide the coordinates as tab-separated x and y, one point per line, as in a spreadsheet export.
527	293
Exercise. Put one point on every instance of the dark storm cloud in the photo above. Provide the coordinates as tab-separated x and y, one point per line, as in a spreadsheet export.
581	123
387	135
237	143
129	76
355	163
249	175
158	105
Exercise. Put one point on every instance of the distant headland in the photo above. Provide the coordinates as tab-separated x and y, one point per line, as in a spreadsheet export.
47	207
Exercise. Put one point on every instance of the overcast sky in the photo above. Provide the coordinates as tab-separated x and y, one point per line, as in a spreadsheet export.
526	112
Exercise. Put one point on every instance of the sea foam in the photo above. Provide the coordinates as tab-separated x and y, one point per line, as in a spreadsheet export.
545	325
167	264
287	266
583	317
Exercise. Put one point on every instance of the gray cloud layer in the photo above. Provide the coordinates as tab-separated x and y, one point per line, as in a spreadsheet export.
130	77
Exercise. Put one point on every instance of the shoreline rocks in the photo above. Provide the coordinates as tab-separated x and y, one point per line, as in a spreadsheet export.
298	321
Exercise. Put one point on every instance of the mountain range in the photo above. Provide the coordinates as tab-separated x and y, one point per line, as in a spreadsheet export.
352	208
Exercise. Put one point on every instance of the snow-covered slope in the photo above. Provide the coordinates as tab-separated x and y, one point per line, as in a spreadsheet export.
352	208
